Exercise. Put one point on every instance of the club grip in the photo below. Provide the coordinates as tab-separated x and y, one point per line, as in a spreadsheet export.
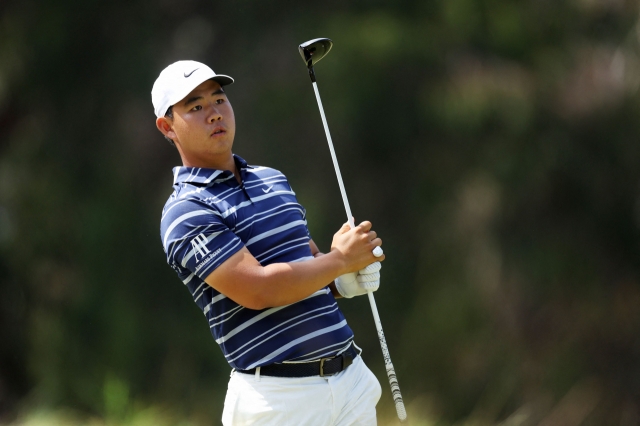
395	392
391	372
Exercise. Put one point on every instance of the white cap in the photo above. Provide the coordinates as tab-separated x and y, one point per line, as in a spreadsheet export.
178	80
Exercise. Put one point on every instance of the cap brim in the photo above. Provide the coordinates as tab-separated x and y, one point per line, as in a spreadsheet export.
223	80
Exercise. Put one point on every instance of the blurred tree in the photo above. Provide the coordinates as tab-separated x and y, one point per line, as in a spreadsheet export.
492	142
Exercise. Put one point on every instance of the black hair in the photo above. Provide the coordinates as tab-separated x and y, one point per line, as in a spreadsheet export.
169	114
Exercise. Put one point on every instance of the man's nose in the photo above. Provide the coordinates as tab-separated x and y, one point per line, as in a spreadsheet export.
214	114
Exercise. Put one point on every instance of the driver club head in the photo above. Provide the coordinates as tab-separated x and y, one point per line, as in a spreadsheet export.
314	50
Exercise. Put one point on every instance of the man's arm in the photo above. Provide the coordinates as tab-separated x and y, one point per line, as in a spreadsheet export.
245	281
315	251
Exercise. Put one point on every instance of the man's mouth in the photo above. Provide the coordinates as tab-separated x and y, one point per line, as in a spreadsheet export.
218	132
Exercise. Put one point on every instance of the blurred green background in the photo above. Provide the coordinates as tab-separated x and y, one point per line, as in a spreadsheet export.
494	144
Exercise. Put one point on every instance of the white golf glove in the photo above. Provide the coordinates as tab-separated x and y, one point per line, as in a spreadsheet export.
369	277
356	284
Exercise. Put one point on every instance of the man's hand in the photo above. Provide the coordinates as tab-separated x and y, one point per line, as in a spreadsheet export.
356	284
355	246
348	286
369	277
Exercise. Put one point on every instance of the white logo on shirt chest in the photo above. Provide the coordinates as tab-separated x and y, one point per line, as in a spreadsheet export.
267	190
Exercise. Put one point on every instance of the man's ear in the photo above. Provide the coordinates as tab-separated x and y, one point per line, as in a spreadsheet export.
165	125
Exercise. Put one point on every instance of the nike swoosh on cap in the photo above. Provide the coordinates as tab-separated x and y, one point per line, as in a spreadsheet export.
267	190
188	75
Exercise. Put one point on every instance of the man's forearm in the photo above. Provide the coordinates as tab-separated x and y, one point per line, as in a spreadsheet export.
332	284
295	281
245	281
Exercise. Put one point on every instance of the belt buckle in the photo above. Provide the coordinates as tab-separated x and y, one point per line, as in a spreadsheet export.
322	360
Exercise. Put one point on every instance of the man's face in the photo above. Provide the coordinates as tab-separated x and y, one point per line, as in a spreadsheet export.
203	126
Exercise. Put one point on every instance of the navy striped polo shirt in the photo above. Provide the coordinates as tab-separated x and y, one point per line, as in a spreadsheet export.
208	218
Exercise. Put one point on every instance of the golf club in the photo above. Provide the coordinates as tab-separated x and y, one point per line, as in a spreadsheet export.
312	52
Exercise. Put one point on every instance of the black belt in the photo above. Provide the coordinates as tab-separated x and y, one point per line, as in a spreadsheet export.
323	367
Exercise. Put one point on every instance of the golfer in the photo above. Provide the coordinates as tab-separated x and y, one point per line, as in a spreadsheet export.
237	238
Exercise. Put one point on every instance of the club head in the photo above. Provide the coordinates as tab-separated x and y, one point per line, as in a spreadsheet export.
314	50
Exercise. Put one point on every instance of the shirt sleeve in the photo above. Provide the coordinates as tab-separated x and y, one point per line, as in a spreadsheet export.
195	237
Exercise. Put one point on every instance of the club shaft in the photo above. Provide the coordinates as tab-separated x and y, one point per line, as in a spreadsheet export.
334	158
391	373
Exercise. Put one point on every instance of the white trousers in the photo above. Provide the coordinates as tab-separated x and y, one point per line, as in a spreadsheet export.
347	398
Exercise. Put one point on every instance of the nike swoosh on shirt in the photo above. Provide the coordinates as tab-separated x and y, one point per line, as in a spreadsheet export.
188	75
267	190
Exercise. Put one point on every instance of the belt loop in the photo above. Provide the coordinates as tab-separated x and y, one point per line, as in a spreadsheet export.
257	374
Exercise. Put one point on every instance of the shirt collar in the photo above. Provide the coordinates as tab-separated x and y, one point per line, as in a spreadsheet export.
204	176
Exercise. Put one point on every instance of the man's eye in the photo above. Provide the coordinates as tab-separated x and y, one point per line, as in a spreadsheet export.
196	108
219	101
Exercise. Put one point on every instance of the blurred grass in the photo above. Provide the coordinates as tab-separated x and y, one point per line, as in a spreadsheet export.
579	406
149	416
